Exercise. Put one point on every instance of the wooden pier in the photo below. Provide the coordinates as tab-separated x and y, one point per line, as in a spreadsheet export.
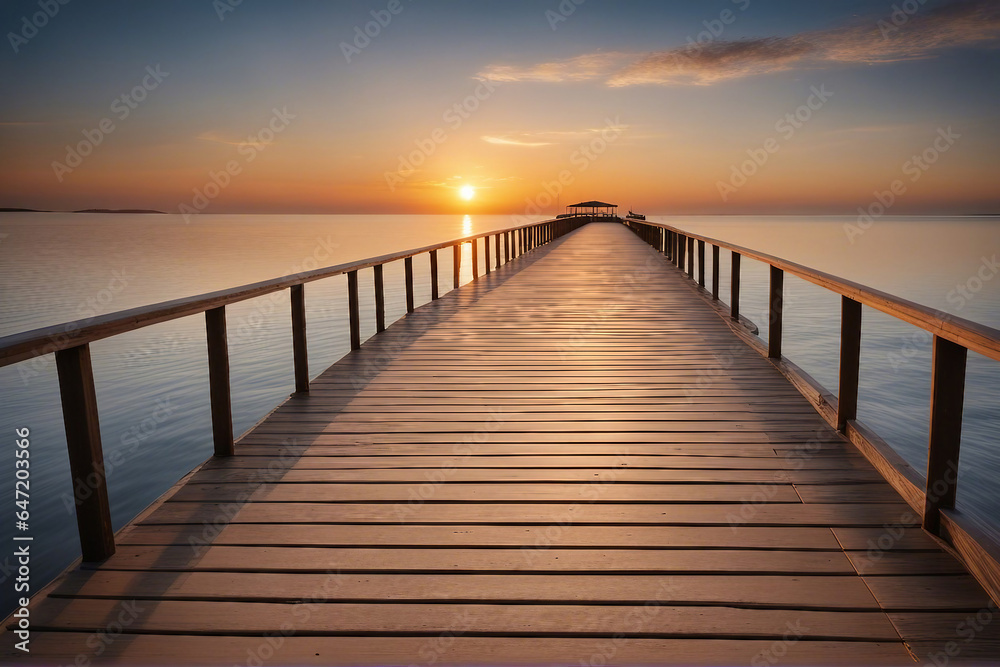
575	459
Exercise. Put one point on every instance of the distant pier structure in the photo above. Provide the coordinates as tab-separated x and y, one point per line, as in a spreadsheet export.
592	209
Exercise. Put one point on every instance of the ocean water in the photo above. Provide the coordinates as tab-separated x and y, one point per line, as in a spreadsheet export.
152	384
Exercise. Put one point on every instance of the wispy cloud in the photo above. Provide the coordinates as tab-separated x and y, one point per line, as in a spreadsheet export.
925	35
543	138
505	141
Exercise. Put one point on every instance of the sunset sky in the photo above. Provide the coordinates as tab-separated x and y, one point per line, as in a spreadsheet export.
719	106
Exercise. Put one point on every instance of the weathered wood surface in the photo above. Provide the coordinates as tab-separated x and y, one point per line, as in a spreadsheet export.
569	461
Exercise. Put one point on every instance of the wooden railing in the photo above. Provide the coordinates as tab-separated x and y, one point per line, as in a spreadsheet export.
932	496
70	342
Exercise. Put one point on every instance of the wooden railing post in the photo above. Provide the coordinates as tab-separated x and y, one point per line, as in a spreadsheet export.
456	265
497	239
681	248
353	308
734	288
379	300
300	351
408	271
218	381
775	306
507	254
434	274
486	253
475	259
690	257
86	457
715	272
947	398
850	362
701	263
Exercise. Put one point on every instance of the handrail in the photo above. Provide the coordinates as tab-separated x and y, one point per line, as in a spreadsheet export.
953	338
971	335
22	346
70	342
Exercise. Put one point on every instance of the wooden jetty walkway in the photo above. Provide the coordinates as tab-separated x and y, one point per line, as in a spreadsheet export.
575	459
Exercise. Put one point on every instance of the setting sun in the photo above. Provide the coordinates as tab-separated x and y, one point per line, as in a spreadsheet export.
467	192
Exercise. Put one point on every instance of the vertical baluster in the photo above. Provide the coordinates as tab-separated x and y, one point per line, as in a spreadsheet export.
701	263
434	274
947	398
734	288
486	253
300	351
497	239
218	381
775	308
86	456
690	257
354	309
379	300
715	272
475	258
456	265
408	271
850	361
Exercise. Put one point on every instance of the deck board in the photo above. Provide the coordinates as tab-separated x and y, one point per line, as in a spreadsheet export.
569	461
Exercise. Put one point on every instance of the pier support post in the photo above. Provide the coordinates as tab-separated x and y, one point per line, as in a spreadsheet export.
408	271
701	263
734	288
434	274
947	398
86	456
300	353
775	308
218	381
850	361
475	259
354	310
379	299
715	272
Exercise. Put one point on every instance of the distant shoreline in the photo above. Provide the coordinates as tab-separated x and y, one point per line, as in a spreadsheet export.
86	210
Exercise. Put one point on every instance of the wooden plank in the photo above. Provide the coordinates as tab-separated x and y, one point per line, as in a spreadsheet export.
453	649
934	592
659	537
478	620
606	492
802	514
447	560
897	563
757	591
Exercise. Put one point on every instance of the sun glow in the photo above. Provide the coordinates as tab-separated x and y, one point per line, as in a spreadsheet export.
467	192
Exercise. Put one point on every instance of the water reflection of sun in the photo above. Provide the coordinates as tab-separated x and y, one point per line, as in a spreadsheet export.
466	225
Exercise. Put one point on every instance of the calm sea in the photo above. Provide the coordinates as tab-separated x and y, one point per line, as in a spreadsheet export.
153	384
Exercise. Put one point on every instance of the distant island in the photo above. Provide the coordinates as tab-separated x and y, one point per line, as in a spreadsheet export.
86	210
